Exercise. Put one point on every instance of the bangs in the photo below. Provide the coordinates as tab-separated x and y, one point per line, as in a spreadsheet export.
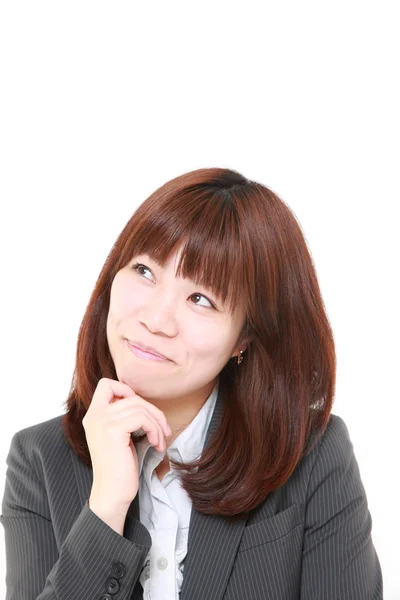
206	224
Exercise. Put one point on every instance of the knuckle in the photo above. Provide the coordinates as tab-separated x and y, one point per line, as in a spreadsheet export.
101	383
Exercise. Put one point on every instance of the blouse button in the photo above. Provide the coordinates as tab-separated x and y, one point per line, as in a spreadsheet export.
162	563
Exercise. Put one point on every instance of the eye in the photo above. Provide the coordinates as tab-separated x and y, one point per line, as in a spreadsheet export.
138	266
201	296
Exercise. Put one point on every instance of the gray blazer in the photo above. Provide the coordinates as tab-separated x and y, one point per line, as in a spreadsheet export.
310	540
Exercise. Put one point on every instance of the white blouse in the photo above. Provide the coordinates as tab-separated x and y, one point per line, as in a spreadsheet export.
165	507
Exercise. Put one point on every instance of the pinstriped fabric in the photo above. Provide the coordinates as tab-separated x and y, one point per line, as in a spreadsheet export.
339	560
310	539
252	570
38	566
269	530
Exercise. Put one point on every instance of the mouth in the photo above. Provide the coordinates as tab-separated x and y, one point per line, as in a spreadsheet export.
145	354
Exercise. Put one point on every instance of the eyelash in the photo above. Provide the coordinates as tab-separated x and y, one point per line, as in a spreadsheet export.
137	265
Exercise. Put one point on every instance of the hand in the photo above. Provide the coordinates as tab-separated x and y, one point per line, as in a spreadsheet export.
114	413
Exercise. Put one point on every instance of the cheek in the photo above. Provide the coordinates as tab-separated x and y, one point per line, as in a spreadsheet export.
122	296
207	341
120	307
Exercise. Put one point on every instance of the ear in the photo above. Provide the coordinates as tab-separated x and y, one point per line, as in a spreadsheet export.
242	346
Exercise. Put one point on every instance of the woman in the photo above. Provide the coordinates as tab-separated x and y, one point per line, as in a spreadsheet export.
209	467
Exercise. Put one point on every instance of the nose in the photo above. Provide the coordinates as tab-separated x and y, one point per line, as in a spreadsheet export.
159	316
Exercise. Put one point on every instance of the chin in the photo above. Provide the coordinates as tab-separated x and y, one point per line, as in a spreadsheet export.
139	383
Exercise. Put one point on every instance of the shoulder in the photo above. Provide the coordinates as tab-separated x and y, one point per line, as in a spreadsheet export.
321	467
41	433
334	481
336	429
40	441
333	451
334	443
34	451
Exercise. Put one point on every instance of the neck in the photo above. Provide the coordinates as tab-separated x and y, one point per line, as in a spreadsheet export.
180	412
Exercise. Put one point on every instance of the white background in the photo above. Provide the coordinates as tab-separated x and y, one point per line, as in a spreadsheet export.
101	103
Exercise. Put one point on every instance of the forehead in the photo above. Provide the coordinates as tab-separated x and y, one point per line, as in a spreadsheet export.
171	262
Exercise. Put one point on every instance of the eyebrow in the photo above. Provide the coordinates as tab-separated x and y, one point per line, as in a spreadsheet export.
152	258
155	260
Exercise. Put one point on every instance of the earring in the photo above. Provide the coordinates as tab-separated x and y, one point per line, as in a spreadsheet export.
240	357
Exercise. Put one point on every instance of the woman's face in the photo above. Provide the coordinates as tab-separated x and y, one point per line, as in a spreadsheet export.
150	306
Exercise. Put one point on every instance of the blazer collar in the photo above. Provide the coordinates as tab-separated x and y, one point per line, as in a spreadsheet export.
212	540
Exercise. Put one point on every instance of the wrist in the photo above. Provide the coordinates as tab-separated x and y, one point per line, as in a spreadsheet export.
114	517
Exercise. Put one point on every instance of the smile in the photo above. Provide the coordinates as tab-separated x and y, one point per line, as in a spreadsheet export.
145	355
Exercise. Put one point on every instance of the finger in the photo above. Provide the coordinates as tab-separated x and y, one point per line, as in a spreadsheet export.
153	410
107	389
138	418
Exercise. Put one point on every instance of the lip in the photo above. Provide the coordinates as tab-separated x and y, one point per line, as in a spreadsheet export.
146	354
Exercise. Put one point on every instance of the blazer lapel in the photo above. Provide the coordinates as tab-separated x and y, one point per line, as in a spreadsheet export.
212	540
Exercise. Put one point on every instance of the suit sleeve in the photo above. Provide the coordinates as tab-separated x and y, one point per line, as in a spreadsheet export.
339	560
94	561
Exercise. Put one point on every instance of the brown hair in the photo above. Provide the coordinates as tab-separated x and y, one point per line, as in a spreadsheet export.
278	401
